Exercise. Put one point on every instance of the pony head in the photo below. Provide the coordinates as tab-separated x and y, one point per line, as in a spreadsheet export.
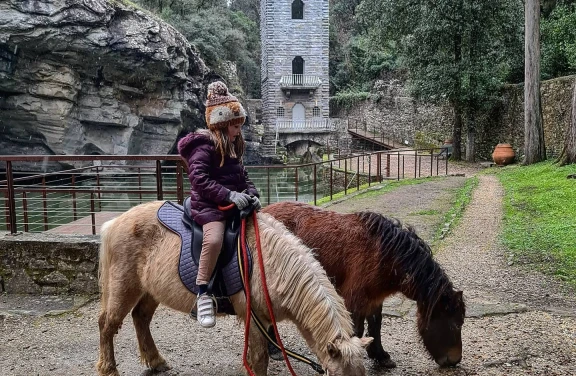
441	331
346	357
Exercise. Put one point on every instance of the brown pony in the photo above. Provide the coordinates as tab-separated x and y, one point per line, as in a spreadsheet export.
368	257
139	270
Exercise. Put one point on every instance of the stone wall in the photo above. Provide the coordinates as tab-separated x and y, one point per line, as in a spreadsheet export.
44	263
508	116
390	110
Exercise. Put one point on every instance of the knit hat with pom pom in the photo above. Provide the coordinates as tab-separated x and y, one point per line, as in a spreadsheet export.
222	108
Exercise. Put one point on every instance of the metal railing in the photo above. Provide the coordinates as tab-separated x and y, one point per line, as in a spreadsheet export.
300	81
361	131
97	188
308	125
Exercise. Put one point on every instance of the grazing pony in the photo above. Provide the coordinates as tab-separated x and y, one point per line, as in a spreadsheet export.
369	257
139	270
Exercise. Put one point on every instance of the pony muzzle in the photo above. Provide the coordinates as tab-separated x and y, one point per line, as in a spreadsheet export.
452	358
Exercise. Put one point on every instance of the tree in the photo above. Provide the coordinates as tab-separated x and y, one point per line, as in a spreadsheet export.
355	62
534	147
558	40
568	155
454	51
251	8
222	32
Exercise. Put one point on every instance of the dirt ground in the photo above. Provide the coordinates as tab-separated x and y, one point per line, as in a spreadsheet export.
518	322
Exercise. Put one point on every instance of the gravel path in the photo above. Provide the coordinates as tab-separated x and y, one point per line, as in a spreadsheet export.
518	322
522	323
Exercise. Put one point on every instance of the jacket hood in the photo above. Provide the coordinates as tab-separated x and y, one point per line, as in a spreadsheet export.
189	139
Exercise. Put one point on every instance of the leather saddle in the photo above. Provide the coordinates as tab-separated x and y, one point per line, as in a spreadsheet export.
226	279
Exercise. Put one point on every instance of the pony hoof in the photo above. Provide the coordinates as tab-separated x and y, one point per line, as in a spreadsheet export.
274	353
162	368
104	370
158	365
385	363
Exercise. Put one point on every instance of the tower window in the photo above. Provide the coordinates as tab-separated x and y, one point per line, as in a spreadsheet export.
258	117
280	112
297	10
298	65
316	111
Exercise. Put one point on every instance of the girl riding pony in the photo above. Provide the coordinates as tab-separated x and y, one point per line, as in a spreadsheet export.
217	177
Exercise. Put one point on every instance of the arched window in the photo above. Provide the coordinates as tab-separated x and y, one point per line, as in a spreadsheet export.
298	65
316	111
280	112
297	10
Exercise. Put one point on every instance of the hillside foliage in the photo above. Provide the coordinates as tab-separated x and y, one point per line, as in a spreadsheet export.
411	40
222	31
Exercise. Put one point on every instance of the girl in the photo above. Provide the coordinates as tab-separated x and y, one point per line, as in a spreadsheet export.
217	177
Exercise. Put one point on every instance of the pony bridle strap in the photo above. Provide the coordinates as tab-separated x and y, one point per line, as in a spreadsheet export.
317	367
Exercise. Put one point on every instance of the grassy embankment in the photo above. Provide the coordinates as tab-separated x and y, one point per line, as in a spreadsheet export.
539	225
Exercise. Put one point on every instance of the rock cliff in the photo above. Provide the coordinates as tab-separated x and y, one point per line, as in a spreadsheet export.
94	77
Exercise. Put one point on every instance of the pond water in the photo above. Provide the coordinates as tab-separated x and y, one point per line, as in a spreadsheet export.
40	211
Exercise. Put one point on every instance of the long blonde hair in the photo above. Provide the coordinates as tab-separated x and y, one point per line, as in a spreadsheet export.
225	147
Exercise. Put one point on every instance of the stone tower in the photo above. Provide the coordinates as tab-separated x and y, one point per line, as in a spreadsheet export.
295	86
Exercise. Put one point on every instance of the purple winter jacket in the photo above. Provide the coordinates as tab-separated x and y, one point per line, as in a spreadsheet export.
210	183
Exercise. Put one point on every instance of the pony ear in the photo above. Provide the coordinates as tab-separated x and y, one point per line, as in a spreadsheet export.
333	350
365	341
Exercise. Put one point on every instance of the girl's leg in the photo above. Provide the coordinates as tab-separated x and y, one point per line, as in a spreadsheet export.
211	245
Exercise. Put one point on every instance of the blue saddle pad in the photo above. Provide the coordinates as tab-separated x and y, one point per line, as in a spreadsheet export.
170	215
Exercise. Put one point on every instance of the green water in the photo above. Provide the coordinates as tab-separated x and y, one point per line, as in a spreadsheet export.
39	213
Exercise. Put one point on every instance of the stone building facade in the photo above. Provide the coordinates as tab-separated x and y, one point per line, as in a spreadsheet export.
295	85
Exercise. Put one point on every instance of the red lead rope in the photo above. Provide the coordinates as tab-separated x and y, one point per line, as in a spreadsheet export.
266	295
247	293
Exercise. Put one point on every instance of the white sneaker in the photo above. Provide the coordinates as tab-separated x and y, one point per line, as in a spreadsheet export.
205	311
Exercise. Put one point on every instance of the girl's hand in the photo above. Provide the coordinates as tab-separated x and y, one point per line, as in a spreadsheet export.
240	199
256	203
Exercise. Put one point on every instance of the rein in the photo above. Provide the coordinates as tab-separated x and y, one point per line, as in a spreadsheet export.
244	271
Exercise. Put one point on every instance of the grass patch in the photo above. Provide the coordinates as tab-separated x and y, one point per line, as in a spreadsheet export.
539	226
426	212
393	184
374	190
341	194
452	217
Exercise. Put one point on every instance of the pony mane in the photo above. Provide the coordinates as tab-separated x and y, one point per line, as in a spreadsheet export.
308	293
424	277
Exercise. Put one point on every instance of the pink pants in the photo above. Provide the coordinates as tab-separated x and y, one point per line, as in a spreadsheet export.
211	245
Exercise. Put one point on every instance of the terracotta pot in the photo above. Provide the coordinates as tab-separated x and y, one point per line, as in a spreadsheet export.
503	154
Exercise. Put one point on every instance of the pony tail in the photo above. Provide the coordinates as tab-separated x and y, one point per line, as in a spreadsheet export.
105	257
